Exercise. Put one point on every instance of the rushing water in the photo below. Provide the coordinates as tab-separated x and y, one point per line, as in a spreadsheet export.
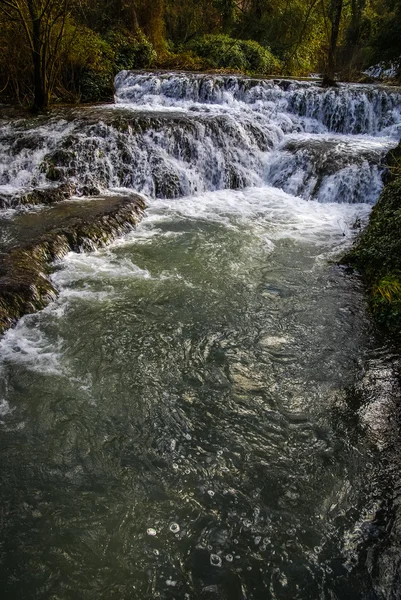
205	412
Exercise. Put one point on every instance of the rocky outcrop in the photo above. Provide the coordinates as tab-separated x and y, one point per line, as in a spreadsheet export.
35	197
377	251
47	196
25	284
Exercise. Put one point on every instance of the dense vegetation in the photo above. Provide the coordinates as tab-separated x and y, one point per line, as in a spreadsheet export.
71	49
377	253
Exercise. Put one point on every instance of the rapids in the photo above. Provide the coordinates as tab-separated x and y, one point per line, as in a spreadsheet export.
205	411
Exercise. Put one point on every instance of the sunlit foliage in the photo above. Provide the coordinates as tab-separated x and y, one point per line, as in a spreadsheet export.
81	44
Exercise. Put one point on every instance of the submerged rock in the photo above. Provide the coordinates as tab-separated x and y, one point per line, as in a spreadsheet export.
43	237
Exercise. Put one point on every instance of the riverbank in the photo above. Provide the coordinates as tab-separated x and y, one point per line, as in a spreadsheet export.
377	252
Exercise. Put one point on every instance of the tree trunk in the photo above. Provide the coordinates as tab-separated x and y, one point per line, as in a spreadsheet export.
41	92
336	7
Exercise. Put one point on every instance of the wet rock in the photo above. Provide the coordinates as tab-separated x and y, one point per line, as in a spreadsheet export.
38	196
6	200
25	286
233	179
48	195
88	190
167	183
53	173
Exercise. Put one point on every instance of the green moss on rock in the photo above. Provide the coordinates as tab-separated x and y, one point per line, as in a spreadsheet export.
377	255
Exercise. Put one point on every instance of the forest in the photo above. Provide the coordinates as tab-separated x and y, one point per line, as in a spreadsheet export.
70	50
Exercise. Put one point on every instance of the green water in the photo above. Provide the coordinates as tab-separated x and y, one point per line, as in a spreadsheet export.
181	423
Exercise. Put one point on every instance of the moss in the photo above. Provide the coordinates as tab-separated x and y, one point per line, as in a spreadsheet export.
54	174
377	254
393	164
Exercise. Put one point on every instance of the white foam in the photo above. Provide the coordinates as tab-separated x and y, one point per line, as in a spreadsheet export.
271	212
4	408
101	264
30	346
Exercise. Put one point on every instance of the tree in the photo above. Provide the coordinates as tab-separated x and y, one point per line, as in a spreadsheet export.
334	14
43	23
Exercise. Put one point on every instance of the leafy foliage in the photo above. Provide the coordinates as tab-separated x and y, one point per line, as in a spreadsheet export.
130	51
385	44
221	51
96	38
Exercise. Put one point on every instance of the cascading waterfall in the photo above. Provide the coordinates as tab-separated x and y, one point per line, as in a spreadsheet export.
350	109
170	136
203	412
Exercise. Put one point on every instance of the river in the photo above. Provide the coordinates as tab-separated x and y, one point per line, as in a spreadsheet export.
205	411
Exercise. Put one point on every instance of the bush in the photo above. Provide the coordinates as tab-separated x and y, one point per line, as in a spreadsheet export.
94	86
93	61
221	51
88	67
187	61
130	51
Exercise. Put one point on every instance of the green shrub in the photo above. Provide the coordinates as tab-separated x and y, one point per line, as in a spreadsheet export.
93	61
88	70
130	51
87	49
187	61
94	86
221	51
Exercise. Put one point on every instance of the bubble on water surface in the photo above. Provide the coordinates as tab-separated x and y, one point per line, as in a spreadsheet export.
174	527
229	558
211	493
215	560
151	531
4	408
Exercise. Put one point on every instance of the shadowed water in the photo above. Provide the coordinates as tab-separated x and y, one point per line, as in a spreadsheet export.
180	423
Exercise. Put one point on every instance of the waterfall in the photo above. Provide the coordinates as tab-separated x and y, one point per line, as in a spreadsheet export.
170	136
350	109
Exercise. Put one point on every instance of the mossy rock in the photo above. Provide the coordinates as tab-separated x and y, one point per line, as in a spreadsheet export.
47	195
38	196
393	164
377	255
25	286
53	173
